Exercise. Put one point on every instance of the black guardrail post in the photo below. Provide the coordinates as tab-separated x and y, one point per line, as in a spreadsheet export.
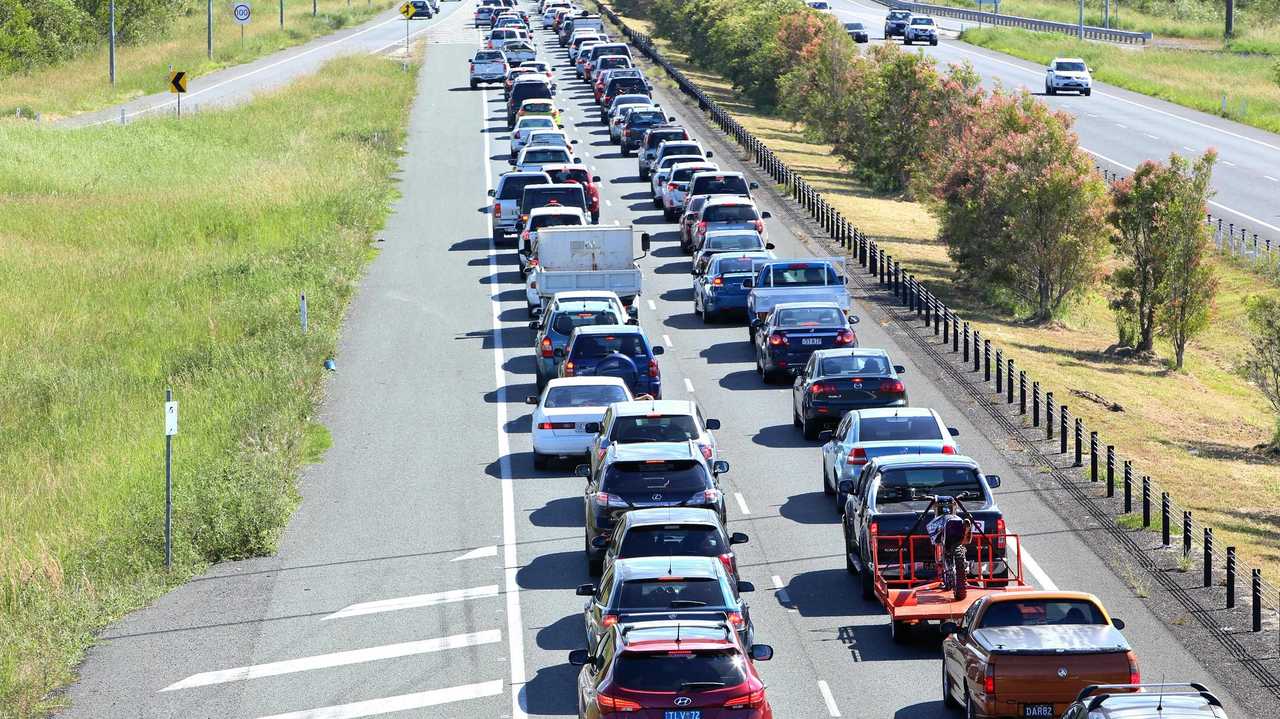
1079	443
965	356
1022	392
1207	562
1063	417
1035	404
1231	577
1186	533
1111	469
999	371
986	360
977	355
1146	501
939	313
1165	507
1256	591
1128	487
1093	456
945	320
1008	383
1048	415
955	333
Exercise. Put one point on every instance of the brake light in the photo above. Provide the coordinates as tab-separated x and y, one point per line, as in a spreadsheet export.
1000	537
609	620
1135	677
718	282
711	495
534	263
818	388
989	681
727	561
845	337
614	704
706	451
702	226
546	347
653	368
893	386
754	700
948	449
671	187
777	339
759	226
555	425
857	456
604	499
568	368
735	618
874	529
497	208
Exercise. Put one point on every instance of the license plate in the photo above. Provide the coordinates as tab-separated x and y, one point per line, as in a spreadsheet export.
1037	710
686	714
811	341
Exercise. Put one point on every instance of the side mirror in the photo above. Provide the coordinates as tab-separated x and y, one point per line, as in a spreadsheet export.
658	349
531	399
768	245
591	428
953	431
537	311
1117	622
585	590
854	319
511	161
744	586
761	652
899	369
766	214
579	657
490	193
583	470
948	628
753	185
749	282
577	160
595	178
533	324
671	119
600	541
720	466
993	480
713	424
573	142
845	486
645	242
739	538
710	153
559	353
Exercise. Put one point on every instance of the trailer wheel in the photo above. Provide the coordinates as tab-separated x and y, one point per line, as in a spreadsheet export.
899	631
868	582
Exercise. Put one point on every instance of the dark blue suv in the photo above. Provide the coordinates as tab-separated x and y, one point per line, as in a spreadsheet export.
621	351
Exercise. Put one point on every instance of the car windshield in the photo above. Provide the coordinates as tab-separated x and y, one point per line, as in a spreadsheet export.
809	317
1038	612
899	15
895	429
679	477
546	154
670	671
530	107
921	21
734	265
592	395
632	345
672	540
670	593
721	185
1069	66
916	483
659	428
850	365
801	275
513	187
734	242
537	222
853	26
730	213
488	56
564	322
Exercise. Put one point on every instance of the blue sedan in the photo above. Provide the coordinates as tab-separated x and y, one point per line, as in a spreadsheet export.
719	289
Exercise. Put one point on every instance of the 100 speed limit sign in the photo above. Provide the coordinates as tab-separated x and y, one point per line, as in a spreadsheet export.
240	12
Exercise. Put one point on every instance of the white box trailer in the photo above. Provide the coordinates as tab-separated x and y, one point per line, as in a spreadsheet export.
592	257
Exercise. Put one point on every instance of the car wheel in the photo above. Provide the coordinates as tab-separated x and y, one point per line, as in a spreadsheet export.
595	565
625	151
906	40
530	308
657	203
868	583
970	710
948	698
827	489
899	631
644	174
1049	90
849	566
759	366
1088	92
810	429
668	215
933	42
473	84
540	461
498	235
796	422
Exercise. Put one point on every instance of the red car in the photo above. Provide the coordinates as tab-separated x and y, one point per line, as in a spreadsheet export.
676	670
580	175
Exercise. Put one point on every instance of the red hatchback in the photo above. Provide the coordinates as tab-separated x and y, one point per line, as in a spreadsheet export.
580	175
672	670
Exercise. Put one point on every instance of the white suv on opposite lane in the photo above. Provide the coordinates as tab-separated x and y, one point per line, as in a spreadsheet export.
1069	74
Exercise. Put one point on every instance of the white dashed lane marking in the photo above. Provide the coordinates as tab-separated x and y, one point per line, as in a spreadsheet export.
478	553
415	602
742	502
399	703
825	690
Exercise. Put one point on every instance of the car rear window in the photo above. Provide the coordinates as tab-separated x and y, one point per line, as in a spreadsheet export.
1038	612
554	139
900	484
513	187
488	56
810	317
671	671
535	123
897	429
543	196
735	242
627	85
595	395
676	477
662	428
614	61
529	107
672	540
540	221
528	90
564	322
657	137
632	345
730	213
801	275
684	173
720	185
577	174
736	264
547	154
670	593
641	118
852	365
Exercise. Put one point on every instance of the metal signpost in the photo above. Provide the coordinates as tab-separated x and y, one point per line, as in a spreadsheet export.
406	10
170	429
240	12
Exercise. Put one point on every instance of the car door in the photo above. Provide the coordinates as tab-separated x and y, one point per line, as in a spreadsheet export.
832	451
595	671
952	658
797	385
848	436
599	442
593	613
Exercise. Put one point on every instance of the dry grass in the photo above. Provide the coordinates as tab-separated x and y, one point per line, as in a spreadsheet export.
1193	431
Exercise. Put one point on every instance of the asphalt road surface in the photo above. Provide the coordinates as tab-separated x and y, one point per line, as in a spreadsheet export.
1121	128
430	568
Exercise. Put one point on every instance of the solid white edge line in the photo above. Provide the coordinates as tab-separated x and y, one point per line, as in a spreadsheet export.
478	553
1032	566
688	386
1269	177
830	700
403	702
336	659
742	502
652	306
515	621
415	601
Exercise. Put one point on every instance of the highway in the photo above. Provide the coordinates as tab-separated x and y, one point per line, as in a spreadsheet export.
430	569
1122	128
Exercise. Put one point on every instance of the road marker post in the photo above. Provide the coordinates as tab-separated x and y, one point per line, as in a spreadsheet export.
111	42
177	86
170	429
302	311
406	10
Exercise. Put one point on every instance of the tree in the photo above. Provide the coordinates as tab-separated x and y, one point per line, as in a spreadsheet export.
1262	365
1021	207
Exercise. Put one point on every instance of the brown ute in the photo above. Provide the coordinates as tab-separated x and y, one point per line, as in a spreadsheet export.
1030	654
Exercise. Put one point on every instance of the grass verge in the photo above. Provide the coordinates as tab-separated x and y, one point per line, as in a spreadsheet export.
1192	78
1193	430
83	85
178	269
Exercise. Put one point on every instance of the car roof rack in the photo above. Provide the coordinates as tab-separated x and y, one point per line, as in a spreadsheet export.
1100	695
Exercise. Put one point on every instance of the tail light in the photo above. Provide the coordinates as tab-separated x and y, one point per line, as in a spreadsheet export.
845	337
534	263
671	187
989	680
609	620
874	529
818	388
568	368
706	451
604	499
1135	677
948	449
754	700
777	339
702	226
653	368
614	704
893	386
718	282
759	226
735	618
1000	540
546	347
727	560
525	236
711	495
555	425
497	209
857	456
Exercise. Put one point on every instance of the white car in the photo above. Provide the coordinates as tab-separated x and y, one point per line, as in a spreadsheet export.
565	409
865	434
1070	74
531	159
677	185
550	138
661	170
920	29
656	420
525	127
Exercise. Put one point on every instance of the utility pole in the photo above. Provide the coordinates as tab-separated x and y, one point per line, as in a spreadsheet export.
281	14
111	43
313	8
1231	20
1082	19
1106	13
209	29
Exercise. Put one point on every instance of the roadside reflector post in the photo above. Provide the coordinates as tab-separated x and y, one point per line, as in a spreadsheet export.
1231	577
170	429
1208	556
302	311
1079	442
111	47
1256	587
1128	487
1186	533
986	360
1009	382
1146	501
1048	415
1035	404
1164	519
1093	456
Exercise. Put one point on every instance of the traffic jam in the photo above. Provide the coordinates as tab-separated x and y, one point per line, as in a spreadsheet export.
666	628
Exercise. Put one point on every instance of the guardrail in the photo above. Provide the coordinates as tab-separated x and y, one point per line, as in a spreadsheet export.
1034	418
1091	32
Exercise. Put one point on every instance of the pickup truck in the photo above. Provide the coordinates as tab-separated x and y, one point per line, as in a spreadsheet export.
888	500
1030	654
488	66
778	281
518	53
570	259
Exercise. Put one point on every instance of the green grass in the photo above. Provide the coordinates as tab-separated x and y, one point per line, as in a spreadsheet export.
162	254
82	84
1192	78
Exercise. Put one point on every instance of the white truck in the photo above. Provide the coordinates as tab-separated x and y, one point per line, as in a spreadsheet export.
806	280
566	259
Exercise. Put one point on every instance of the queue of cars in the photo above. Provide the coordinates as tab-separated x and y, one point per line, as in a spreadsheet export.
667	626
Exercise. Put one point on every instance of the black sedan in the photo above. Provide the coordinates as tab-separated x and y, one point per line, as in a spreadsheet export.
837	381
795	330
857	31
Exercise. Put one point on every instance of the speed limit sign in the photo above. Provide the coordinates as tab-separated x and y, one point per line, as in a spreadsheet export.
240	12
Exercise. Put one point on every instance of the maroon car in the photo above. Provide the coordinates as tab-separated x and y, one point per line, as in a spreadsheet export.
694	669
